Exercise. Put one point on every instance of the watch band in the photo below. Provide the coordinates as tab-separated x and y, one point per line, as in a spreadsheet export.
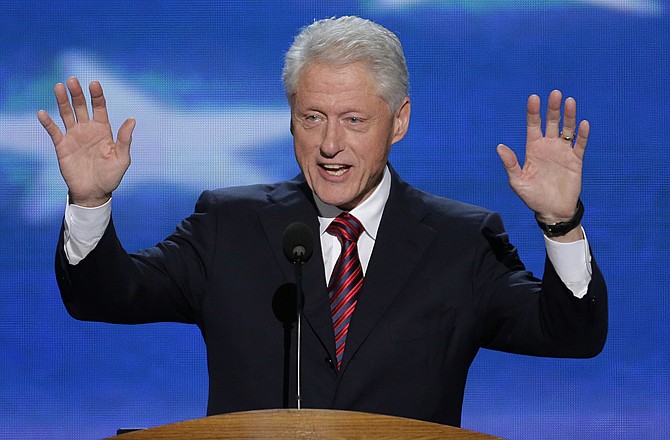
561	228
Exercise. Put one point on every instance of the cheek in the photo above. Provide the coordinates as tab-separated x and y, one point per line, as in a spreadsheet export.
304	142
304	154
374	153
299	145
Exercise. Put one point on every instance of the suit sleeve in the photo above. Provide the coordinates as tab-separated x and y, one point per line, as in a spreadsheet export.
162	283
521	314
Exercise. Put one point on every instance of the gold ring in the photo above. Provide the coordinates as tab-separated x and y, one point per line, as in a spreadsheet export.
567	138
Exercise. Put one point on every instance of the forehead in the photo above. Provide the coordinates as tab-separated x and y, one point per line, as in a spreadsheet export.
332	84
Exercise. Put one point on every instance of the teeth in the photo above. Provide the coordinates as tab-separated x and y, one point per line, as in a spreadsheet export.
335	170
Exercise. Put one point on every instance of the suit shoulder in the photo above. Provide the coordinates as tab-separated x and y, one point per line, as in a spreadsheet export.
245	197
442	209
239	195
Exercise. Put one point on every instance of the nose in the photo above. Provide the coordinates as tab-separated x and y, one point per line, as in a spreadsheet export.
332	141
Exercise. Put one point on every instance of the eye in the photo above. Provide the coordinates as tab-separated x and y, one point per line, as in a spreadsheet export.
354	120
310	120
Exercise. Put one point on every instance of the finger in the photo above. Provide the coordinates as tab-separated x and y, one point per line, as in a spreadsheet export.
125	136
533	119
569	119
582	139
509	160
78	99
50	126
553	114
64	108
98	103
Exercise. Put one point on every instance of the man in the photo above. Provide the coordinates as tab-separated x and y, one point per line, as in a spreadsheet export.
393	316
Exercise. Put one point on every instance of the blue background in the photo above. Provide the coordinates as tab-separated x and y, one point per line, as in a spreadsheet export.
202	78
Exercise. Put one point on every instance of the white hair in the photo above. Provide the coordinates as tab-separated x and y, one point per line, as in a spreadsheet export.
344	40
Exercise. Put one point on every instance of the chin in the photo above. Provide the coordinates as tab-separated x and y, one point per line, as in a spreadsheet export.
335	199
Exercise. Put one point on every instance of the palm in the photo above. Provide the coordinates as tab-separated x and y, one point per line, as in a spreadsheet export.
91	163
550	181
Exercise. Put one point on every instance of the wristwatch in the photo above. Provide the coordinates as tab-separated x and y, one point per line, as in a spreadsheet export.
561	228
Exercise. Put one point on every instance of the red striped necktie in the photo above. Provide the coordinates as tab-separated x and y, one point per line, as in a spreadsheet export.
347	278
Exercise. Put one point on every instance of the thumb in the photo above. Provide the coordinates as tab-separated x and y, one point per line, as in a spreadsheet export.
125	136
509	160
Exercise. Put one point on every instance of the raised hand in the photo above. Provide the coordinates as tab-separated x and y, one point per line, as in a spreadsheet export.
550	181
91	162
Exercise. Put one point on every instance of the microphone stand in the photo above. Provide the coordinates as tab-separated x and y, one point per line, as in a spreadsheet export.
299	305
298	246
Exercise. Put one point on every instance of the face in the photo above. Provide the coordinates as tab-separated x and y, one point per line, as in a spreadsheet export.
343	131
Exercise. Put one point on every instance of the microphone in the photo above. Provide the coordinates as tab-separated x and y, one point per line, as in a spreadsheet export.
298	247
298	243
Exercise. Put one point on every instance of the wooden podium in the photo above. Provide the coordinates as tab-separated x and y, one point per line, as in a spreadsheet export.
303	424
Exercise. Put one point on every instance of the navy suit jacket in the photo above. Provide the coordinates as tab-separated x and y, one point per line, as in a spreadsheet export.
443	281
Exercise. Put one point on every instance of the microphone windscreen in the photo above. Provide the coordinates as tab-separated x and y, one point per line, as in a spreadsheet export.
297	242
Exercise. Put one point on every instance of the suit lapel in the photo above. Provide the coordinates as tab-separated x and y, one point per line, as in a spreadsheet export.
293	202
401	241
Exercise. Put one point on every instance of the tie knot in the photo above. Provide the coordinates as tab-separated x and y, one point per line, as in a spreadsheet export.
346	228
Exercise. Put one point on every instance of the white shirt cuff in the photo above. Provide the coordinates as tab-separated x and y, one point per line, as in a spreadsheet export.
572	262
84	227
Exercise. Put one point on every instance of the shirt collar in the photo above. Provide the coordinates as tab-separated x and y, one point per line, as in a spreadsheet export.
369	213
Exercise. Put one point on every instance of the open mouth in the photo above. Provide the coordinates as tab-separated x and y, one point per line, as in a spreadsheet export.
335	169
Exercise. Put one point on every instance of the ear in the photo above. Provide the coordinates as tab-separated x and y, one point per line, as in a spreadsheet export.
401	121
291	103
